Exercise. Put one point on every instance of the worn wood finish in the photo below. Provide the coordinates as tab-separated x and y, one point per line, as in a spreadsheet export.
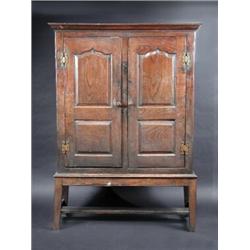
124	26
190	82
123	33
100	170
161	120
57	203
189	182
60	90
119	182
125	105
192	204
126	175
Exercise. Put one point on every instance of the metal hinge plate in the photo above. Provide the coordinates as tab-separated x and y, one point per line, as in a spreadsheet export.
65	147
62	59
185	149
187	61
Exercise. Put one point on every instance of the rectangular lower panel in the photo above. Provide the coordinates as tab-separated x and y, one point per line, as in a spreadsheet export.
156	138
93	137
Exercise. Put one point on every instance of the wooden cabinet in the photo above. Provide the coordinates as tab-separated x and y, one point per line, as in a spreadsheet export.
125	103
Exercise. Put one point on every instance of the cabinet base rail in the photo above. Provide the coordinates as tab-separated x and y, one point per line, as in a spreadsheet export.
69	210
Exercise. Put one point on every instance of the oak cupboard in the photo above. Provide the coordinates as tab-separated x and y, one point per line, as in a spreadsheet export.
125	110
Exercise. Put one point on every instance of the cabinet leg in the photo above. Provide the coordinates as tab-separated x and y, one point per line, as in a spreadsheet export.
185	189
192	204
65	195
57	203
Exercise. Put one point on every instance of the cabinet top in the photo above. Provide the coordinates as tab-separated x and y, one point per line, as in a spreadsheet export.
125	26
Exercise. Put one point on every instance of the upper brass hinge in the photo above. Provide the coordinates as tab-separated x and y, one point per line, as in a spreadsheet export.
65	147
187	61
185	149
62	59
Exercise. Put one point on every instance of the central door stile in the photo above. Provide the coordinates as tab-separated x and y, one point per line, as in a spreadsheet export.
125	102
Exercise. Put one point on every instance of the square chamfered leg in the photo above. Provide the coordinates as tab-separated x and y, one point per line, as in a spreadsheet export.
192	189
57	203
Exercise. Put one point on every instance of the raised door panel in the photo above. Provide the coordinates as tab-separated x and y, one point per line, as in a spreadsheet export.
92	82
93	72
156	78
93	137
156	137
156	114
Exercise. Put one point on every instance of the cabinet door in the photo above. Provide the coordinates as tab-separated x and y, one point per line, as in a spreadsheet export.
156	114
92	85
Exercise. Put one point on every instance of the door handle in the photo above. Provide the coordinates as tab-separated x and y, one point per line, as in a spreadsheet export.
120	105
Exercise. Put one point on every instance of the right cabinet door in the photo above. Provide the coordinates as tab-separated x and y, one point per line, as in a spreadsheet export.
156	98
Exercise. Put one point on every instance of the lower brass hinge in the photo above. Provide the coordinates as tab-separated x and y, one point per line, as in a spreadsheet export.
65	147
185	149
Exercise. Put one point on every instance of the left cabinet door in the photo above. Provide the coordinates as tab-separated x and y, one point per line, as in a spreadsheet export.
92	81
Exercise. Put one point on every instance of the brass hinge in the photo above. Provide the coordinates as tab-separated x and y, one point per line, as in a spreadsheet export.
65	147
187	61
62	59
185	149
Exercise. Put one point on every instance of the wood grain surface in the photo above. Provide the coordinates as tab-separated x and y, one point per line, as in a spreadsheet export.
124	26
124	101
125	105
93	122
157	88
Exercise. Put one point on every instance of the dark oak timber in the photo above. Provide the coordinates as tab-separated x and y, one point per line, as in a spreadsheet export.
125	111
112	210
123	26
57	203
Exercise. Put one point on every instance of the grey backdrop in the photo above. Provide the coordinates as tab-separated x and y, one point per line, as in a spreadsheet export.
123	232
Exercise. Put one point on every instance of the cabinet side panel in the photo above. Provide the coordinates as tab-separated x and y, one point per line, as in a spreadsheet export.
59	100
190	44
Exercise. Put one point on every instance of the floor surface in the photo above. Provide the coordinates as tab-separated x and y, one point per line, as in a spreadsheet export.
120	232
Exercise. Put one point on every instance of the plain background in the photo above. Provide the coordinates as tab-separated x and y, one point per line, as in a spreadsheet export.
123	232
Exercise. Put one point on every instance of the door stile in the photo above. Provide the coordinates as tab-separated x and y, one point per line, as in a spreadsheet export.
181	109
190	83
125	102
69	107
60	99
